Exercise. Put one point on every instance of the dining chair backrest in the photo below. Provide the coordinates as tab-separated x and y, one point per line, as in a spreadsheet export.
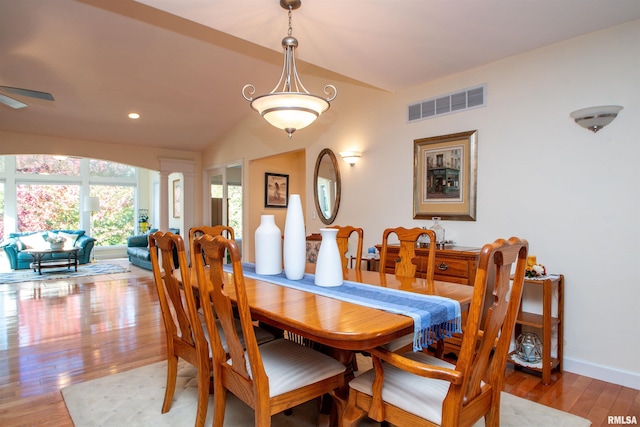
405	261
344	233
487	332
213	230
297	373
471	388
184	332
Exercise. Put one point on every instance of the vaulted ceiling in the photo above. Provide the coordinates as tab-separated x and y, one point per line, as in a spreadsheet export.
182	63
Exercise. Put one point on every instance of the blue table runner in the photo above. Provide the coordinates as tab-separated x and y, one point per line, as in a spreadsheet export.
434	317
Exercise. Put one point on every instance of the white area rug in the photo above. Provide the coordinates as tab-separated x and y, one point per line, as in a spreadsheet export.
60	273
134	398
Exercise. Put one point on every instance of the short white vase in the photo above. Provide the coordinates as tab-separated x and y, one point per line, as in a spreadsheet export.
329	264
295	242
268	242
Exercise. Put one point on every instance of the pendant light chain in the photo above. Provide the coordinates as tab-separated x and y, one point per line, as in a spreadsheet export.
290	27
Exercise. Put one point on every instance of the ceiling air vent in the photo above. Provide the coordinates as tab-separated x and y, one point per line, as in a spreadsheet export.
446	104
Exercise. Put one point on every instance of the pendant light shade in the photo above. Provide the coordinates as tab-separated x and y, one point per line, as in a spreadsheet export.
289	106
290	110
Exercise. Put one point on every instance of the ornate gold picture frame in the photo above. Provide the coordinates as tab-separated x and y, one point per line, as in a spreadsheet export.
444	176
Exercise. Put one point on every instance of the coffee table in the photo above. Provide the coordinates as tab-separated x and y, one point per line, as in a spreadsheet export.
39	263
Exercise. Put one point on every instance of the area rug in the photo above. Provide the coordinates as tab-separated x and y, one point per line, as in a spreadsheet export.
61	273
134	398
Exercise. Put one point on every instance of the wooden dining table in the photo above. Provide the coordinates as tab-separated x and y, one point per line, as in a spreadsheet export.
339	324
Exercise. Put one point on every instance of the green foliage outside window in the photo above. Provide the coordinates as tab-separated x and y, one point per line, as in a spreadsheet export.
115	221
235	209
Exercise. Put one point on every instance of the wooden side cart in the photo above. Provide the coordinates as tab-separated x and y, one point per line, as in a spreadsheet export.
545	323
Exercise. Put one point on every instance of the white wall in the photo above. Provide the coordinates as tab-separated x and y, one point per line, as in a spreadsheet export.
573	194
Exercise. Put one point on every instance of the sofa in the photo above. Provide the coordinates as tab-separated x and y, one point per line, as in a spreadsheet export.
138	249
16	244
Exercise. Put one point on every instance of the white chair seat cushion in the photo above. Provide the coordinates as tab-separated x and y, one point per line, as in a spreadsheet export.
262	335
412	393
399	343
290	366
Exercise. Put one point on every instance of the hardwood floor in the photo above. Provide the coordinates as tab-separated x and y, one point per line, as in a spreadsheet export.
64	332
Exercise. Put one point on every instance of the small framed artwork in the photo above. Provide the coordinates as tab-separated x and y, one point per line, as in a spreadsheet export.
276	190
177	198
444	176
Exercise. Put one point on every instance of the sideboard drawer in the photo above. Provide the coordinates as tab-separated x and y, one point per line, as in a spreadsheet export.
447	268
453	264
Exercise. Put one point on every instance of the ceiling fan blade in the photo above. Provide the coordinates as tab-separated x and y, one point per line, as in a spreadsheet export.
27	92
13	103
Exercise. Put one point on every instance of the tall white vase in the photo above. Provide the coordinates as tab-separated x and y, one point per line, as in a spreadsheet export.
295	242
268	243
329	264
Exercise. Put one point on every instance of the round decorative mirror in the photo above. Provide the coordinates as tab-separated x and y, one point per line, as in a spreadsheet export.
326	186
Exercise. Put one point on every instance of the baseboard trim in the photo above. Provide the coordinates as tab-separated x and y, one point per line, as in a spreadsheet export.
603	373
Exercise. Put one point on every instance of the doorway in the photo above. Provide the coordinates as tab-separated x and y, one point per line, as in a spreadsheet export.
226	197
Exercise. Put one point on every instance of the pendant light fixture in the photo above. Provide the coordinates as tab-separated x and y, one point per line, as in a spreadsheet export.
289	106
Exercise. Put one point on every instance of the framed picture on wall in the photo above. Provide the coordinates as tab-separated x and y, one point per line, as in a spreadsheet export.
444	176
276	190
177	198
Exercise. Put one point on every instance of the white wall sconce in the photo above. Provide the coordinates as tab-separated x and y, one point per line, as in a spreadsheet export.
351	157
595	118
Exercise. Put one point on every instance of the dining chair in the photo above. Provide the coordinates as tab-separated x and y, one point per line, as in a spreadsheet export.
405	267
213	230
418	389
269	378
405	262
344	233
184	331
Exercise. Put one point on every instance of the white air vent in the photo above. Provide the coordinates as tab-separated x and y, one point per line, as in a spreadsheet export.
446	104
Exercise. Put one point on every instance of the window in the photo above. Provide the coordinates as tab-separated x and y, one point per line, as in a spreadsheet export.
110	169
2	207
235	209
114	222
48	207
50	191
48	165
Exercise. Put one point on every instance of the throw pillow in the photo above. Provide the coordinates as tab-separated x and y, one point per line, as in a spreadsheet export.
69	239
34	241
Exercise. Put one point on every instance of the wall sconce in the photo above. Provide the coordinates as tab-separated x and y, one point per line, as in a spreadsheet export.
351	157
595	118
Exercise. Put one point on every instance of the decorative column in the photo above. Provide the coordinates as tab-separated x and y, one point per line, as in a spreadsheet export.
163	215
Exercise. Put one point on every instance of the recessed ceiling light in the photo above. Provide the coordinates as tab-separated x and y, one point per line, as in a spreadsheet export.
134	116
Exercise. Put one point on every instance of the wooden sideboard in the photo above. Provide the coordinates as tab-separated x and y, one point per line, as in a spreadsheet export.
453	263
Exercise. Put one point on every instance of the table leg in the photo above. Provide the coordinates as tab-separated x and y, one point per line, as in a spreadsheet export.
37	262
440	349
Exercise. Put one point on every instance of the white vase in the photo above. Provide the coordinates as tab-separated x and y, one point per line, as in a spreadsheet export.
329	264
268	243
295	242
